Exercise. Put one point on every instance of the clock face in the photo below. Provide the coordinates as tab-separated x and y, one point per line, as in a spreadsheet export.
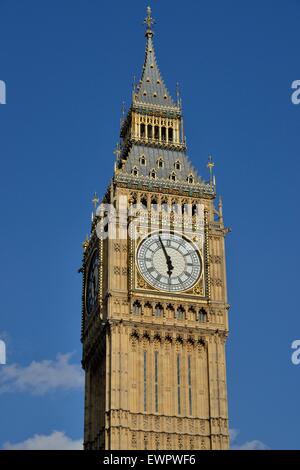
92	284
169	262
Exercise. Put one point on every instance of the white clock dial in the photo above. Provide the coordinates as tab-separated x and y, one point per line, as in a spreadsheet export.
169	262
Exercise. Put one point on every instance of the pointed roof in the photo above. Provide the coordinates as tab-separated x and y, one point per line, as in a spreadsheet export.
145	159
151	88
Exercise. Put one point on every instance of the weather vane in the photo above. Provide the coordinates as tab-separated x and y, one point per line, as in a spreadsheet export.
149	21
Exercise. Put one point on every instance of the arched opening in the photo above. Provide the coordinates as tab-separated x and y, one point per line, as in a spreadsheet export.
164	205
156	132
180	313
154	204
134	171
143	131
149	131
158	310
163	133
184	208
170	134
160	163
137	308
143	160
144	202
175	207
133	199
202	315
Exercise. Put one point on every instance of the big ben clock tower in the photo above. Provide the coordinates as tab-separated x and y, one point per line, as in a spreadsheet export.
155	311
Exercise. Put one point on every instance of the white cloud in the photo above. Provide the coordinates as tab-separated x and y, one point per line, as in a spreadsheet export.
233	433
42	377
57	440
249	445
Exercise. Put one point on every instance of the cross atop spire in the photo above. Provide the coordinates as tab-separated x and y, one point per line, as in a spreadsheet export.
149	21
151	90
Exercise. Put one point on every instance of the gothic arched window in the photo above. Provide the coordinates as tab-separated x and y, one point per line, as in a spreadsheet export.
158	310
202	315
144	203
137	308
180	313
160	163
143	160
177	165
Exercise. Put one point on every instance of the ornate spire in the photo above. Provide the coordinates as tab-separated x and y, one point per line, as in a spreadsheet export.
151	89
149	21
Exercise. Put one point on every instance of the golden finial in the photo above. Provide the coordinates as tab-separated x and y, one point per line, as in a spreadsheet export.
210	166
95	200
149	21
86	243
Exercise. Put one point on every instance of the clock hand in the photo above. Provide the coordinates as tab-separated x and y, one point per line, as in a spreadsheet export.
168	258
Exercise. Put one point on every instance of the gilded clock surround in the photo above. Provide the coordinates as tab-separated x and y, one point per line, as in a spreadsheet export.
195	248
154	361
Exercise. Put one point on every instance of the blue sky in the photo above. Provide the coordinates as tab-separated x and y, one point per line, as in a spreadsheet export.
68	65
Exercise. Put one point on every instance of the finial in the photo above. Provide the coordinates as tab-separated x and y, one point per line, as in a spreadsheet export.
95	200
178	94
149	21
122	114
220	207
85	245
210	166
117	151
134	88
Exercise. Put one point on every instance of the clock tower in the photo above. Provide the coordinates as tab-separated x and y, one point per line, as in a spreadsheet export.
155	311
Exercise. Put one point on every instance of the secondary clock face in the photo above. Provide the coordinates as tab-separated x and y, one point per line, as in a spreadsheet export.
169	262
92	284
